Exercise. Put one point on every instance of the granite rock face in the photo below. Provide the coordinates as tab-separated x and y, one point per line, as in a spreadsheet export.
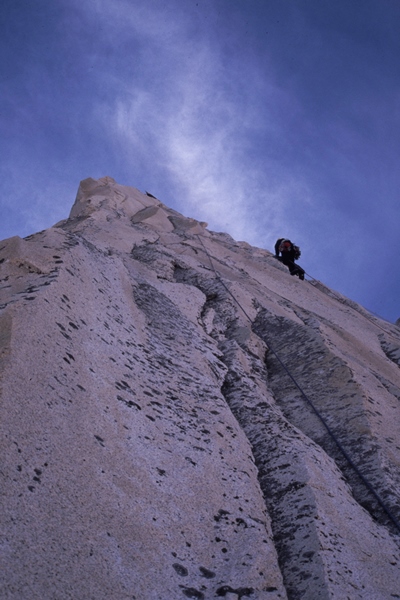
180	418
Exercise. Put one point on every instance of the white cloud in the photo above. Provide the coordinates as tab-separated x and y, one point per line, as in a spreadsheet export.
194	124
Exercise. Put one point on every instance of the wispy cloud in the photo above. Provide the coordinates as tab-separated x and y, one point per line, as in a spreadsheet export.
261	120
196	122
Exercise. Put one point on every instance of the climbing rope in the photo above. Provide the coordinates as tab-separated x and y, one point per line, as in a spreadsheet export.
334	295
339	445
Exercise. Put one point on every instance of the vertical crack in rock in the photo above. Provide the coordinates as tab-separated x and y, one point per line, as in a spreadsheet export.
330	385
253	407
391	349
160	260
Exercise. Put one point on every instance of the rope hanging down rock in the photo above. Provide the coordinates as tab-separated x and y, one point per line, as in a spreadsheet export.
332	294
339	445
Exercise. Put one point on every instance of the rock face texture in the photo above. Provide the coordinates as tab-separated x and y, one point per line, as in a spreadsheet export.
181	418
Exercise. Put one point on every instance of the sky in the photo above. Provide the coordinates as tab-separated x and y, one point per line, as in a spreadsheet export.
264	118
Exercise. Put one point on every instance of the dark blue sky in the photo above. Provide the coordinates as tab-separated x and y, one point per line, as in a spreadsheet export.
265	118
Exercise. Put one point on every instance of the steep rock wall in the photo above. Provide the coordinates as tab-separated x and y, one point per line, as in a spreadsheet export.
154	445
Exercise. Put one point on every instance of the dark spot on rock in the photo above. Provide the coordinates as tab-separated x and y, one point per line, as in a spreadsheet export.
226	589
122	385
129	403
221	514
240	521
181	570
206	573
193	593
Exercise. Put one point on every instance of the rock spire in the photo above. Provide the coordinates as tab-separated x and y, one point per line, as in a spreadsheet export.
174	410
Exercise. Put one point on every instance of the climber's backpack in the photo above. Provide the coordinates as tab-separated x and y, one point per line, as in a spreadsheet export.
297	252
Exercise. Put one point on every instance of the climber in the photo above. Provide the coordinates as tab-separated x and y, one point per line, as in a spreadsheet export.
289	252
